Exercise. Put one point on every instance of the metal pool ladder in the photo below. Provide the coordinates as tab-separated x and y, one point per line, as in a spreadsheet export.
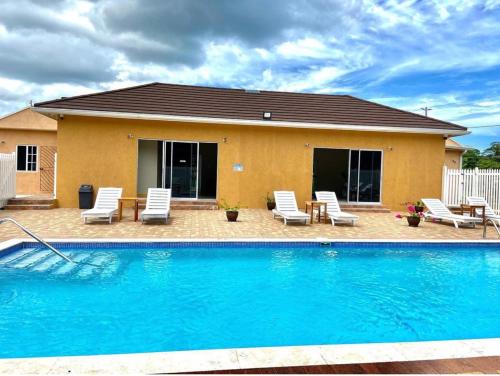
39	240
486	225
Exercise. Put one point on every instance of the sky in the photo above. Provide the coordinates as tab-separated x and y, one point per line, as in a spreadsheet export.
407	54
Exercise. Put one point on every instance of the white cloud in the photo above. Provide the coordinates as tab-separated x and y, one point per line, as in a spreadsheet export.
76	46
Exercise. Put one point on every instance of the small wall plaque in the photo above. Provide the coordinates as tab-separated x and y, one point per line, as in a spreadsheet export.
238	167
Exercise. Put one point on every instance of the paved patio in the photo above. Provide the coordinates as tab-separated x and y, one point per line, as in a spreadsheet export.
252	223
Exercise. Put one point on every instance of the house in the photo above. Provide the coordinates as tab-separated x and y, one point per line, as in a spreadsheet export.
33	137
214	143
454	153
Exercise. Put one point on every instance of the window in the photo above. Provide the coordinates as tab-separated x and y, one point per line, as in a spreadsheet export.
27	157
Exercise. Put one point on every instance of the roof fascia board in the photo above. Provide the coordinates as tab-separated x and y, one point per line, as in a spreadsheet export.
264	123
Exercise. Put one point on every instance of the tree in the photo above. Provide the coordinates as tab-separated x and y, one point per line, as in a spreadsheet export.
471	158
489	158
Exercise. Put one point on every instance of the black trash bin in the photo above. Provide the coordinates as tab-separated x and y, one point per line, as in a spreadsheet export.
86	196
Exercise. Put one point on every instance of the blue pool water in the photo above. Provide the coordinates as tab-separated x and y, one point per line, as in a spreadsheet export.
169	296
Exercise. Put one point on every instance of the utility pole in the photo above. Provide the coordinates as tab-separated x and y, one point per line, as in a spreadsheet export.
426	110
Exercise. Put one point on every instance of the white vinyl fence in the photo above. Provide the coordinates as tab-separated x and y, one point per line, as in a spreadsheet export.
459	184
7	177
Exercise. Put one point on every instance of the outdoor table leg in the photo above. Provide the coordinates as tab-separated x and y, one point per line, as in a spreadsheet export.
120	209
136	210
312	212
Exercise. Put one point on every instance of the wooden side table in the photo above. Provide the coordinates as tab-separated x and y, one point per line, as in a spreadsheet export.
136	201
473	212
317	204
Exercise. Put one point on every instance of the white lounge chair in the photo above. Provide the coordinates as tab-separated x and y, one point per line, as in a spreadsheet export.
157	204
106	204
490	213
286	208
333	208
438	210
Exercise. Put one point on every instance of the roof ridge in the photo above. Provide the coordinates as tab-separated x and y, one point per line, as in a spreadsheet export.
98	93
406	112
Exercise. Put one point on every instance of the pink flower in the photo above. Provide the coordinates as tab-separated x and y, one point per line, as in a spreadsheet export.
399	216
411	208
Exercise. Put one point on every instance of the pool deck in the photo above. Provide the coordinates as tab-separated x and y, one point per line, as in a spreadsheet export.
252	223
482	355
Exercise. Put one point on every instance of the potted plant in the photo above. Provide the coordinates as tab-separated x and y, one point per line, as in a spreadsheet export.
271	204
413	217
231	211
419	207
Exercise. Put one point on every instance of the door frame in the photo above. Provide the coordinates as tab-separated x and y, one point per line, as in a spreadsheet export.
163	141
349	172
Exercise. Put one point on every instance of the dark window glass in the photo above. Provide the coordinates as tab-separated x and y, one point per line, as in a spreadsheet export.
330	171
369	176
184	168
21	158
207	171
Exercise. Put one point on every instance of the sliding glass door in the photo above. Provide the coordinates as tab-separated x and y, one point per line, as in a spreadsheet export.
188	168
365	175
184	169
354	175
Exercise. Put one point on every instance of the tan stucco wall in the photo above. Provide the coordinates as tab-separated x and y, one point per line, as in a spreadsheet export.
28	119
27	182
452	158
98	151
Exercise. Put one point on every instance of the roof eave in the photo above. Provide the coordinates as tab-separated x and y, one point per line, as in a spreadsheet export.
265	123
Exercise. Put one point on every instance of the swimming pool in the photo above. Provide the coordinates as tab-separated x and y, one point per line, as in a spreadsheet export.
166	296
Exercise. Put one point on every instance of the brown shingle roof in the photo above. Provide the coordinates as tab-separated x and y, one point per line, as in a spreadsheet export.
209	102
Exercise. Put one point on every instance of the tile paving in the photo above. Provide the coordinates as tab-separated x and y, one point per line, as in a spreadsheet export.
252	223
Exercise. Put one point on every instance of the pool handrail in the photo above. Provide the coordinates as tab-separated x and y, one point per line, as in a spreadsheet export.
39	240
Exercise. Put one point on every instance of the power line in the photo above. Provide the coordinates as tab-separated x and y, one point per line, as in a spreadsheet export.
485	126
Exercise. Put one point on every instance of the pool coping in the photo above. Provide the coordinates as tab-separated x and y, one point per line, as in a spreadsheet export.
16	241
258	357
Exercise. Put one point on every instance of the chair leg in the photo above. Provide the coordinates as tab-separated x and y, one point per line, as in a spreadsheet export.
333	222
455	223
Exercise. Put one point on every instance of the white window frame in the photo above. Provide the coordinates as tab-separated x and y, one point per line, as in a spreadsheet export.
28	155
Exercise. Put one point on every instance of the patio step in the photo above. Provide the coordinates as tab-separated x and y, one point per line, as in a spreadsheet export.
365	208
30	203
202	204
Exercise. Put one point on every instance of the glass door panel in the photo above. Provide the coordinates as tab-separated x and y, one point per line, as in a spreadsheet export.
207	170
184	169
330	171
369	176
353	176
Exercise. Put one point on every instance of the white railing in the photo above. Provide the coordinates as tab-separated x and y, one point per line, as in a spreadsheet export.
7	177
458	184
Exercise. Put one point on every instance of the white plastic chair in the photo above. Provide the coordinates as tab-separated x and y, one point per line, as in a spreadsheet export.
286	207
333	208
488	210
438	210
157	204
106	205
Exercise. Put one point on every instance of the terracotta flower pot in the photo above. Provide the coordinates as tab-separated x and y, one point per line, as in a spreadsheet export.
413	221
232	215
271	205
419	209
